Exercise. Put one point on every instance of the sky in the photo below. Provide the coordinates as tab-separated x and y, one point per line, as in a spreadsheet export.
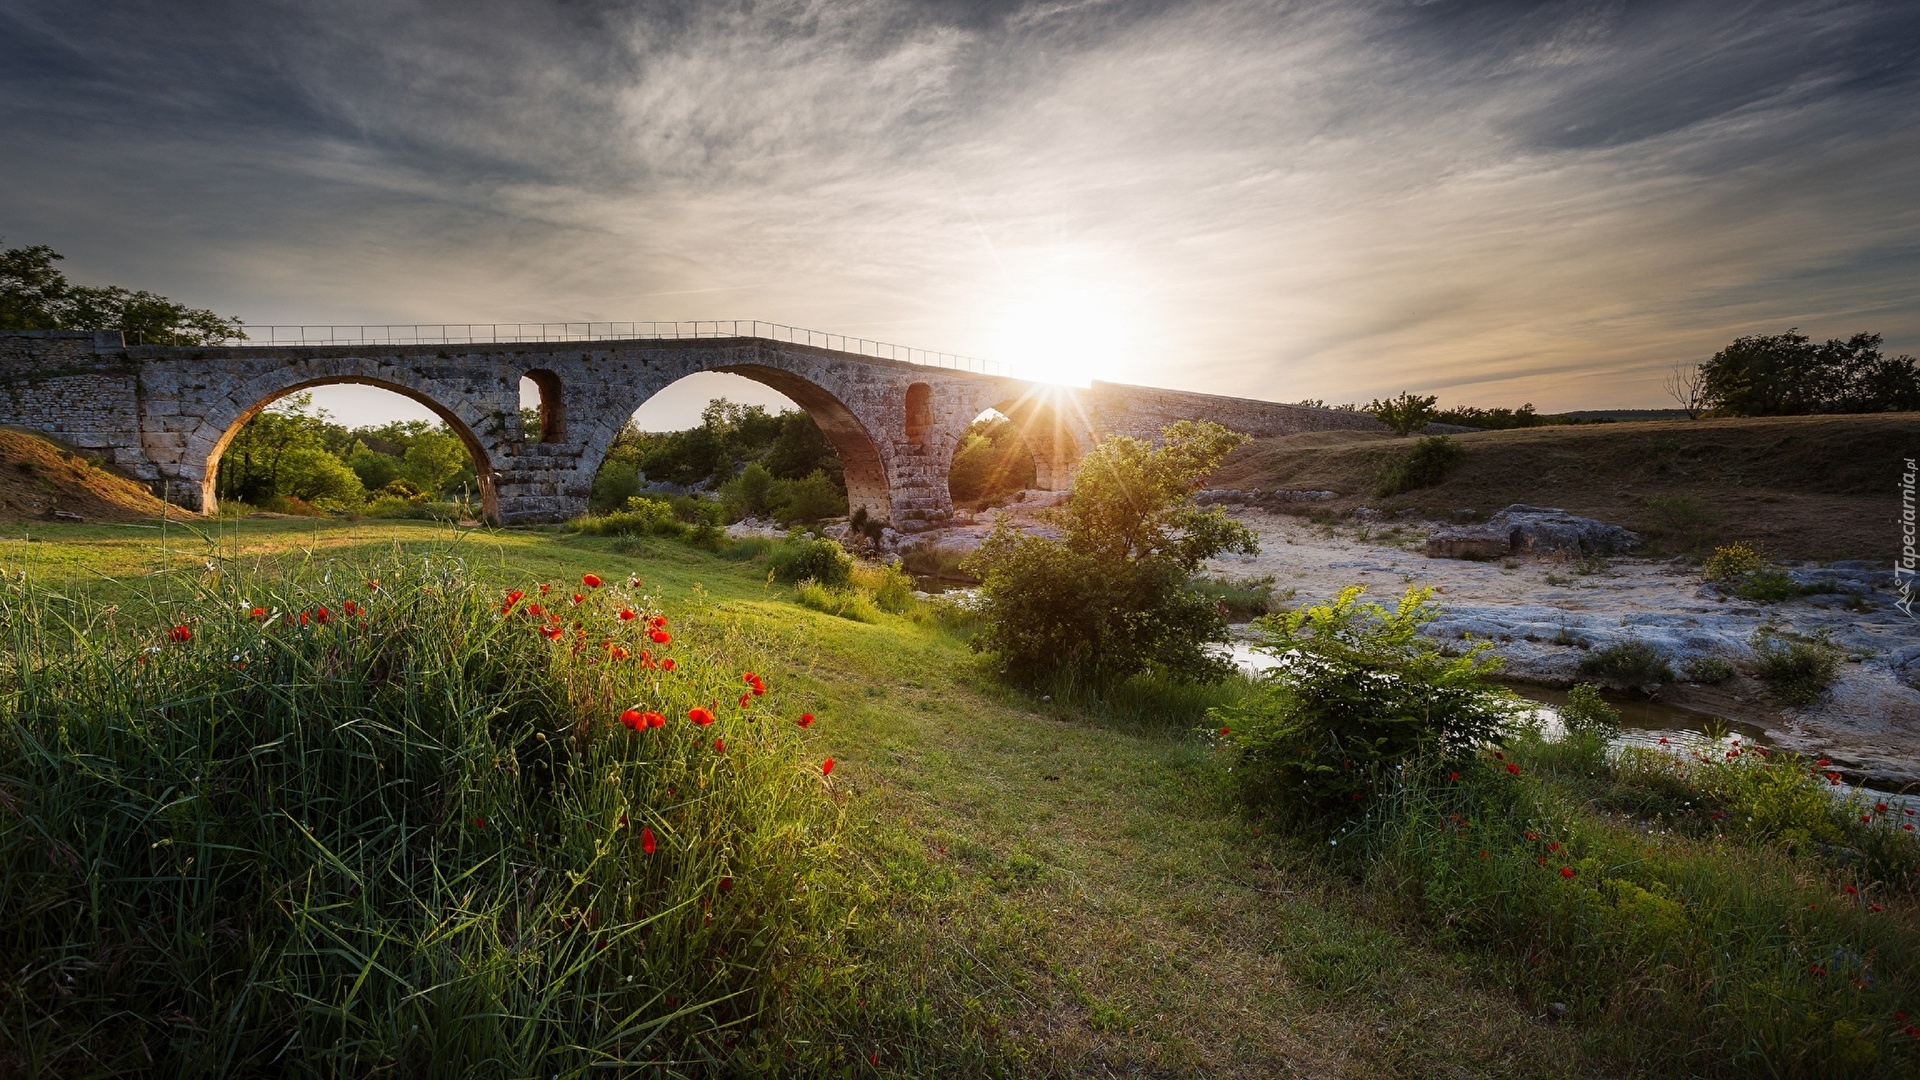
1495	202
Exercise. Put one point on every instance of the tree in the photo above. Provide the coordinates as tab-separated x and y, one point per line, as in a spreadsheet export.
1688	386
1788	375
35	295
1405	414
1114	596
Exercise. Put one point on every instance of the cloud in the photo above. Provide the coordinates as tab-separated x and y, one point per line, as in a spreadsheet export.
1492	201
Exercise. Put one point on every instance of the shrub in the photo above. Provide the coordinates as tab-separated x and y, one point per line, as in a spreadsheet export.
1243	598
613	485
1114	597
822	561
1357	696
1797	669
1631	663
1769	586
1732	561
642	517
1587	713
1707	670
1424	464
888	585
811	498
753	493
411	839
1405	414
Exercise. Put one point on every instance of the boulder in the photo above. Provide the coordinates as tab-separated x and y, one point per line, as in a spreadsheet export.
1545	530
1469	542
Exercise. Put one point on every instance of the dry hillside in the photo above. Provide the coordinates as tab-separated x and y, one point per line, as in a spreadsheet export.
38	477
1821	487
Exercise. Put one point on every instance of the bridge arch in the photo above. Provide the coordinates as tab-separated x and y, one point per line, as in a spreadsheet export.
220	427
1057	438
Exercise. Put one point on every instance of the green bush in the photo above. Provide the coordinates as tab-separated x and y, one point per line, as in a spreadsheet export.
613	485
396	831
888	585
811	498
1629	663
1405	414
1114	597
1358	698
1686	521
1797	669
1587	713
1730	562
1424	464
642	517
1707	670
819	560
1243	598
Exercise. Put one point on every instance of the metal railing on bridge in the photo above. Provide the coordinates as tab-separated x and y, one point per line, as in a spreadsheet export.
518	333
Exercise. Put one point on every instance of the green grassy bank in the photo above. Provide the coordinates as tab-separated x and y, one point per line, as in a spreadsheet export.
985	884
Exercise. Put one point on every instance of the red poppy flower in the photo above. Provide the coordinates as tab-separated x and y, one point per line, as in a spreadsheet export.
303	618
627	614
373	584
1566	871
479	823
1818	971
719	746
623	821
700	715
1453	777
618	652
1851	891
545	588
1541	859
1908	826
826	767
180	633
321	614
726	884
591	581
667	664
1498	756
1531	835
1555	846
1825	762
746	700
1663	740
655	719
806	720
1879	808
658	622
1873	907
1866	817
1483	853
350	608
1355	796
1512	768
578	599
257	613
634	719
660	637
646	840
552	633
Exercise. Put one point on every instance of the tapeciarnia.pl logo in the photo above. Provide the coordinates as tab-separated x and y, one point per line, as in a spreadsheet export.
1905	569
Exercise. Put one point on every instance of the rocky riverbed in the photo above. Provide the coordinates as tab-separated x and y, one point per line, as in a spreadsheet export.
1544	613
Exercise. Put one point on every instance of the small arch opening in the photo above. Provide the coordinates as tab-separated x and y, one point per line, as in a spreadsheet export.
919	421
991	462
543	409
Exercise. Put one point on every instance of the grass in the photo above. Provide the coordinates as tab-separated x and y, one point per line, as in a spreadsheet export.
1244	597
1800	487
1629	663
1796	668
1019	887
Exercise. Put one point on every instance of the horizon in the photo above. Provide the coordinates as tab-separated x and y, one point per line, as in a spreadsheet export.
1492	202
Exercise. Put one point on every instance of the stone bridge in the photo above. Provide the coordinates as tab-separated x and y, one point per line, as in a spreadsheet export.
164	414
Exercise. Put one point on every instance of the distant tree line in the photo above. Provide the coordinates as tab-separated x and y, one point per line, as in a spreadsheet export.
755	463
35	295
1410	412
1789	375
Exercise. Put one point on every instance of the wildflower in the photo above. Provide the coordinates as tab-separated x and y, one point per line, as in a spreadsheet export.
700	715
655	719
627	614
545	588
1663	740
1555	846
536	610
1541	859
658	622
321	614
552	633
479	823
633	581
578	599
180	633
1531	835
719	746
1824	762
1483	853
1452	777
1866	817
1498	756
746	700
257	613
1851	891
618	652
667	664
1879	808
806	721
646	840
1512	768
634	719
373	584
1356	796
1908	826
303	618
1873	908
1566	871
660	637
591	581
826	767
350	608
1818	971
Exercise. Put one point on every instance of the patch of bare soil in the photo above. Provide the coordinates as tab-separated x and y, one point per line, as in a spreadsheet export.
39	477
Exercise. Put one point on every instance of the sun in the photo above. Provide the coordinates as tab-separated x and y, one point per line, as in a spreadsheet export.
1063	333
